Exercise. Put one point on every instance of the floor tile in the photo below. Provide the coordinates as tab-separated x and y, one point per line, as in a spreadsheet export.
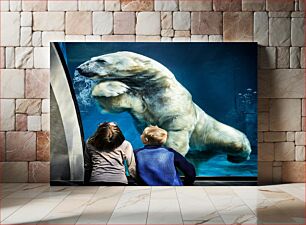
132	207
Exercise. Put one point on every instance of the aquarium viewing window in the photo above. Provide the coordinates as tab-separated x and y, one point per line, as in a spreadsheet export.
203	94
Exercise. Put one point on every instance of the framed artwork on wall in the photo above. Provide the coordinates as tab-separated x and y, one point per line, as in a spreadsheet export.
111	104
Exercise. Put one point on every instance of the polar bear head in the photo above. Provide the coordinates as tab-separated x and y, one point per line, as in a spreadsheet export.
119	72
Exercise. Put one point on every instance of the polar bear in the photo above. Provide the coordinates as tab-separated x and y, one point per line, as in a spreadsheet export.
127	81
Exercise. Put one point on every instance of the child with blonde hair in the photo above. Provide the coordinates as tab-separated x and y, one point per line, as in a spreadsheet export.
158	165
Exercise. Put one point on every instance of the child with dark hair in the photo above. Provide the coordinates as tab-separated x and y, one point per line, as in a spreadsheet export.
158	165
106	152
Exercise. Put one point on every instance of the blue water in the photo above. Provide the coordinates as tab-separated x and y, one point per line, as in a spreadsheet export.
222	78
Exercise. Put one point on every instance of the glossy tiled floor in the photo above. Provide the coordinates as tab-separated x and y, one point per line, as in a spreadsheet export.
42	204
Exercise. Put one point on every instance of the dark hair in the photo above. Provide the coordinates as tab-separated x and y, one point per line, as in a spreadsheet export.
107	137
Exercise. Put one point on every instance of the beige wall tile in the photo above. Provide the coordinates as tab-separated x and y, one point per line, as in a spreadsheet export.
293	172
28	106
281	83
41	57
21	122
2	146
124	22
34	123
137	5
20	146
238	26
79	23
12	83
253	5
7	114
112	5
227	5
197	5
39	172
275	136
279	32
43	146
284	151
282	5
285	115
14	172
265	152
48	21
37	83
206	23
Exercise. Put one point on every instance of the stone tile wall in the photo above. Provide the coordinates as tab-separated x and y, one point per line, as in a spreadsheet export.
27	27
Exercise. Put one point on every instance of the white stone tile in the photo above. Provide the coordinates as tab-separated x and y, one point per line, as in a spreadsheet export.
181	20
88	5
93	38
55	36
26	19
283	57
295	57
4	5
169	5
36	39
41	57
7	114
303	57
181	39
15	5
45	106
297	32
199	38
24	57
143	38
102	22
45	122
132	207
25	36
48	21
75	38
164	207
166	20
261	28
300	153
9	57
279	32
167	33
215	38
71	5
112	5
10	28
12	83
166	39
142	27
34	123
300	138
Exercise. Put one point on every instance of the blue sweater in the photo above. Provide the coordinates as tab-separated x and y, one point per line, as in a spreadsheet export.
158	166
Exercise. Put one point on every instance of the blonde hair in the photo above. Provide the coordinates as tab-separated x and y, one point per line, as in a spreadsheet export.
153	135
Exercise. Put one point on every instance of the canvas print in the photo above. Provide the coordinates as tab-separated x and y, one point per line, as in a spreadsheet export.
165	114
